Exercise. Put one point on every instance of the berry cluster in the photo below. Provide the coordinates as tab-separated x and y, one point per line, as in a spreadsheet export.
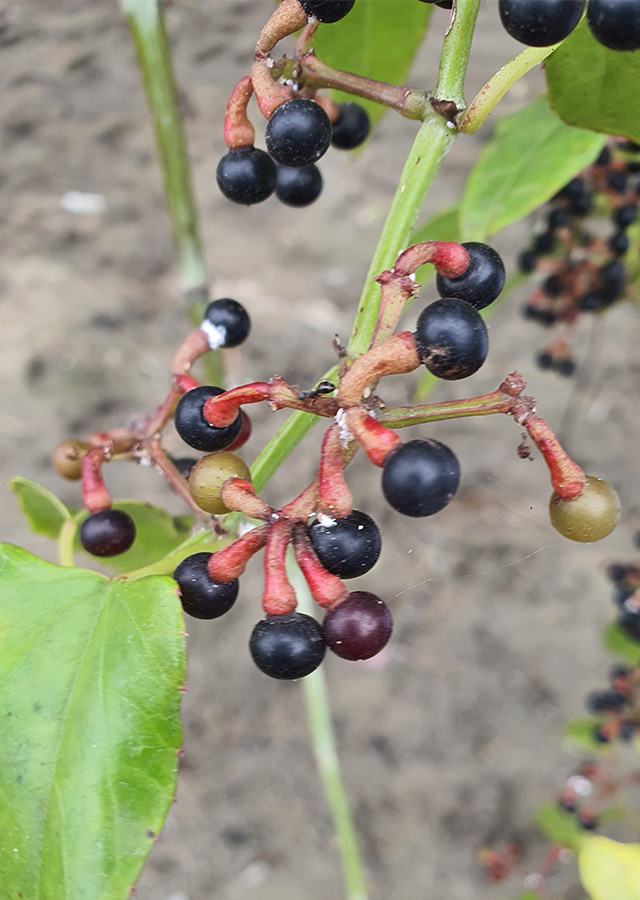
617	706
331	541
580	255
540	23
625	578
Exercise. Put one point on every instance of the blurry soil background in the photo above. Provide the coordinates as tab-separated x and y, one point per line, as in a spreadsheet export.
453	738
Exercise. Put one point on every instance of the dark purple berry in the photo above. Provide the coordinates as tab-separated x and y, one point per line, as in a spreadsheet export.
566	367
194	429
201	596
559	218
287	647
618	671
544	360
483	280
351	128
107	533
298	186
604	157
552	286
246	176
614	280
419	478
527	261
619	243
617	181
298	133
572	189
630	623
627	731
582	205
327	11
540	23
592	302
226	322
544	243
615	23
626	215
359	627
346	547
184	465
451	338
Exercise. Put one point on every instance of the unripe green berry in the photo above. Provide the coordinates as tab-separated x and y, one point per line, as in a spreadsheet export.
591	516
209	474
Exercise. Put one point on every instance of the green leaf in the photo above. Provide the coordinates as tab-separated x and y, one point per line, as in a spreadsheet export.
609	870
378	39
581	733
90	678
617	641
531	156
596	88
44	511
560	826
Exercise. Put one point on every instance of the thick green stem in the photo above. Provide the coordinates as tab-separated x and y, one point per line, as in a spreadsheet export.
455	54
323	742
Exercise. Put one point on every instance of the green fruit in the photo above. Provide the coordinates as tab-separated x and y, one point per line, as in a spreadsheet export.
591	516
209	474
67	459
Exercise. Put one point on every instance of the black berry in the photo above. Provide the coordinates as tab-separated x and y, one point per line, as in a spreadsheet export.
419	478
559	218
287	647
346	547
201	596
483	280
544	359
351	128
229	319
452	339
359	627
184	465
527	261
592	302
298	186
246	176
615	23
107	533
298	133
619	243
544	243
614	280
617	181
604	157
194	429
327	11
626	215
540	23
582	205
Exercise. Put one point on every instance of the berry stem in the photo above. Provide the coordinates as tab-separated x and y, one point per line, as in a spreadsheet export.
240	495
95	495
334	497
326	589
397	355
238	130
279	596
161	462
567	478
376	440
449	259
499	401
222	410
229	563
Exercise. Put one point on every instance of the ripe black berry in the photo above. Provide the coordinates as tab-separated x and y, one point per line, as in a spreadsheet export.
346	547
592	302
246	176
298	186
298	133
559	218
527	261
327	11
582	205
184	465
483	280
617	181
615	23
619	243
226	322
419	478
544	359
194	429
544	243
452	339
540	23
359	627
201	596
351	128
626	215
614	280
287	647
107	533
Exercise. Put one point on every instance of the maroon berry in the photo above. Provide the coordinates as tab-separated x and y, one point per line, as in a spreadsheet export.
359	627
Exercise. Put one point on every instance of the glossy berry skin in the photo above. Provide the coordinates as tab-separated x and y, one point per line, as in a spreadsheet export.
298	133
591	516
194	429
615	23
184	465
540	23
107	533
298	186
347	547
481	283
452	339
209	475
201	596
287	647
327	11
419	478
351	128
67	459
229	319
246	176
359	627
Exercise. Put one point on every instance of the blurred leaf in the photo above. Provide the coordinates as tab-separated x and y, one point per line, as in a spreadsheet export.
581	733
531	156
378	39
595	88
609	870
560	826
90	678
617	641
44	511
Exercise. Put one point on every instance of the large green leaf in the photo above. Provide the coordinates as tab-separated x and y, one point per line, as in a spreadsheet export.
90	677
560	826
378	39
44	511
622	644
531	156
609	870
596	88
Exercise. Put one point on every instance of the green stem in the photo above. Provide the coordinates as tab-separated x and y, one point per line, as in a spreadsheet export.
66	540
402	417
323	742
455	54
